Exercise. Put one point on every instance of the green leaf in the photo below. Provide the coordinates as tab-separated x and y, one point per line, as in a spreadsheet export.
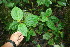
44	18
34	42
56	46
51	25
62	34
54	19
39	32
17	13
47	36
62	45
40	2
0	2
13	25
45	15
57	38
31	20
4	1
53	0
9	4
60	26
38	45
32	33
27	1
64	0
23	29
44	2
48	2
61	3
28	36
48	12
8	0
40	27
51	42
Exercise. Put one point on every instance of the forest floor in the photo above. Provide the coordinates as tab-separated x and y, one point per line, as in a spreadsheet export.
64	16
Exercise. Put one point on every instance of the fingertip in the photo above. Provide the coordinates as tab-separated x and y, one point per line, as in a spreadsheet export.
19	32
15	33
21	39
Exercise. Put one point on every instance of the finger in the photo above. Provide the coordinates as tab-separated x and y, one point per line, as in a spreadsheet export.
19	34
15	32
21	38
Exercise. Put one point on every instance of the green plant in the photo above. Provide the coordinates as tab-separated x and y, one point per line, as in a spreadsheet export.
12	3
43	23
40	2
26	22
38	45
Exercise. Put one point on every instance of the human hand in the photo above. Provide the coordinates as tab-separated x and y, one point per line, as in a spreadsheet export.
17	37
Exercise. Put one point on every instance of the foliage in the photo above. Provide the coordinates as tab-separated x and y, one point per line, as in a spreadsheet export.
30	33
47	36
11	3
26	1
51	25
40	2
61	45
33	22
45	15
17	13
30	20
51	42
61	3
56	46
22	28
38	45
48	12
13	25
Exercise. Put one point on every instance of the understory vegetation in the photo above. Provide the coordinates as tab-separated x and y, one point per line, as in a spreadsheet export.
44	23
